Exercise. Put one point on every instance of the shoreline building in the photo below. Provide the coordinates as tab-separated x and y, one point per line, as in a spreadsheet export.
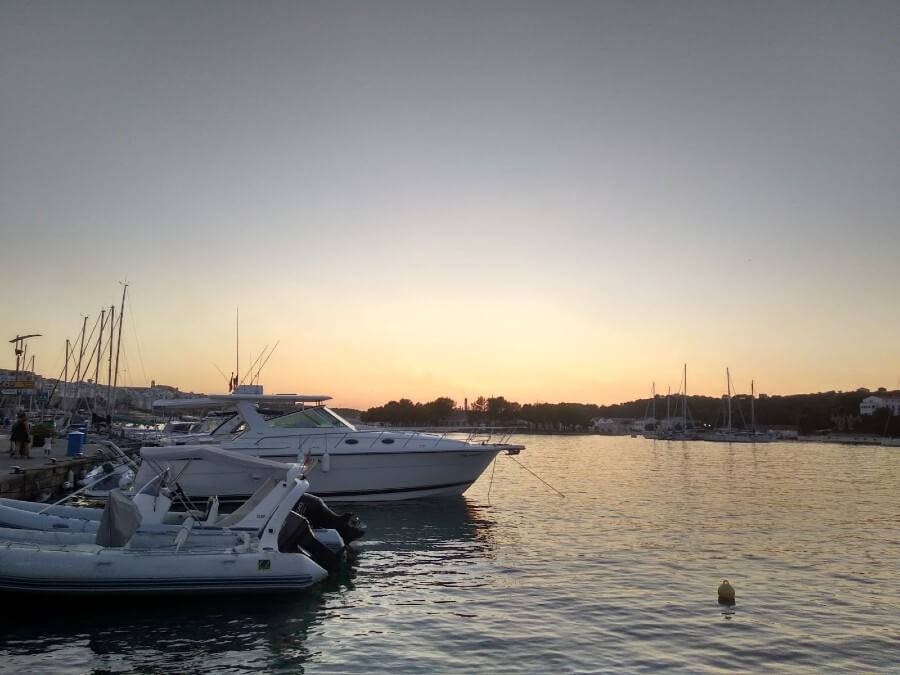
870	404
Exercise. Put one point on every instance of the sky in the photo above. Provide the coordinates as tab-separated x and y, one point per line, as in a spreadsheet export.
547	201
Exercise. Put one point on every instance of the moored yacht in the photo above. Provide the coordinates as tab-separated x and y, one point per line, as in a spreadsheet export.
349	464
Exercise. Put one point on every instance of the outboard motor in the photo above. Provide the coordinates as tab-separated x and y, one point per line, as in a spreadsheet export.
319	515
296	536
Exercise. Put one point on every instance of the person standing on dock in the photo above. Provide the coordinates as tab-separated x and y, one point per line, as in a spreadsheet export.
20	436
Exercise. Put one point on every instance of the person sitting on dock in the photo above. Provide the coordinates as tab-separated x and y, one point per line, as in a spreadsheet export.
20	436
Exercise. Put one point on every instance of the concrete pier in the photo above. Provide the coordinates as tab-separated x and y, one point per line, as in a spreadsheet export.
42	477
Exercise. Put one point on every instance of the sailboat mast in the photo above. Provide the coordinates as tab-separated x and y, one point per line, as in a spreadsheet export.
684	402
237	346
99	347
752	408
728	384
112	326
65	375
119	338
78	375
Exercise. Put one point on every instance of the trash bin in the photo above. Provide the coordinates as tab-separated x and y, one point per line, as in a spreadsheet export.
75	443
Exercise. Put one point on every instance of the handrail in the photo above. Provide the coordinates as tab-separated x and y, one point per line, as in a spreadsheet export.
475	436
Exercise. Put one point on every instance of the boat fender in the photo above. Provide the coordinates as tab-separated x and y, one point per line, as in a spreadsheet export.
212	511
244	546
183	533
325	462
726	593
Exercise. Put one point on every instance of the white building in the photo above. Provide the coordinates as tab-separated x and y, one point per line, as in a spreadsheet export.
872	403
608	425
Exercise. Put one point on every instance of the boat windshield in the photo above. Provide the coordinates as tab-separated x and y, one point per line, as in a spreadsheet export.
309	418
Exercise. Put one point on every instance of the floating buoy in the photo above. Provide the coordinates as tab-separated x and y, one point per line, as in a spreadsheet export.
726	593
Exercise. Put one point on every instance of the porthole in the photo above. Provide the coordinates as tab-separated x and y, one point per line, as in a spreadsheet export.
387	441
351	441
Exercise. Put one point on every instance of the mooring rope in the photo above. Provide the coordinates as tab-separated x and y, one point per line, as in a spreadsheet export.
536	476
491	484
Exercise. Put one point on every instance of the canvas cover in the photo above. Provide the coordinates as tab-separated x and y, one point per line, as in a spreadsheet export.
156	460
119	522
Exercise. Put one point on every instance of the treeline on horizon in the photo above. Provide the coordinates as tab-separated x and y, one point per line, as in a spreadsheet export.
808	413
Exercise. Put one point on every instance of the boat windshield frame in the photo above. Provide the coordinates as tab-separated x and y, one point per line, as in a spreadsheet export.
316	417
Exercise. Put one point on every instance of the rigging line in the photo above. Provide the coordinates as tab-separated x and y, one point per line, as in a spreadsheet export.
127	370
536	476
136	341
224	376
90	338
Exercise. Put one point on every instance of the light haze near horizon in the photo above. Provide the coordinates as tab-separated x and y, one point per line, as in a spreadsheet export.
558	201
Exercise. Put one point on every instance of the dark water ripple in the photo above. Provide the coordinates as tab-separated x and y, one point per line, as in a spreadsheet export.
618	576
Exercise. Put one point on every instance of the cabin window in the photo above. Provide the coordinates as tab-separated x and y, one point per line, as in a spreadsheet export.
351	441
387	441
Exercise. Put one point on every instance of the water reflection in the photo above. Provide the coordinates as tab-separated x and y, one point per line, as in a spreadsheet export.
425	525
426	544
168	633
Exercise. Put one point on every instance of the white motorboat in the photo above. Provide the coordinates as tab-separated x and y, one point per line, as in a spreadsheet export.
276	554
350	464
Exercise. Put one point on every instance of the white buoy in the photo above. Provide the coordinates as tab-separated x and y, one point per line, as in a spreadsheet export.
726	593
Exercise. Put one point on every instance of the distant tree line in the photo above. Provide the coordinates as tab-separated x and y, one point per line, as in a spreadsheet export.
484	411
808	413
407	413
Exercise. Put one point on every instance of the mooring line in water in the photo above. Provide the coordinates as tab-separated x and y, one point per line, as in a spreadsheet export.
536	476
491	484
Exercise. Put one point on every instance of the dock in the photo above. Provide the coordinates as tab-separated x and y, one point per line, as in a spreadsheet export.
44	477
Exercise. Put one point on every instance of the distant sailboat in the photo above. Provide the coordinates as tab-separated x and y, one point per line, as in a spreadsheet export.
730	435
678	428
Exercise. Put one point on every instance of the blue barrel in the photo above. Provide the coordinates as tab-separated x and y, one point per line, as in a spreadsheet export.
75	443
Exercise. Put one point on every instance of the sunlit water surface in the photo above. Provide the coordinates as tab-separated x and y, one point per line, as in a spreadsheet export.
618	575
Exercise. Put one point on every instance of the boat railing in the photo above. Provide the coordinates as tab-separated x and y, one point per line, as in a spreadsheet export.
473	435
166	549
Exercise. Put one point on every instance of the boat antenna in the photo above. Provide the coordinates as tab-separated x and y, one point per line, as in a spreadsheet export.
267	360
255	361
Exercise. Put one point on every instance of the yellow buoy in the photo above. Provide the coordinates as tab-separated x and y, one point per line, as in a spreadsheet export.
726	593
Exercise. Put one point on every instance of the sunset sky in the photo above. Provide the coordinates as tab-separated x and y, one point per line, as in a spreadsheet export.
549	201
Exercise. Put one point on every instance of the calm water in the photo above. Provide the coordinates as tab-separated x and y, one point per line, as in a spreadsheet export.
620	575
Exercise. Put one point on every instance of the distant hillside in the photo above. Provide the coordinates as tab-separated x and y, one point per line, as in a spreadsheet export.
838	411
807	412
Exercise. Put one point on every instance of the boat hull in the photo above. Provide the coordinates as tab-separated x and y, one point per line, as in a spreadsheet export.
350	477
88	569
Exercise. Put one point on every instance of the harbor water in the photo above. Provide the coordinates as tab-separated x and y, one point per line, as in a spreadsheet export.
619	575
